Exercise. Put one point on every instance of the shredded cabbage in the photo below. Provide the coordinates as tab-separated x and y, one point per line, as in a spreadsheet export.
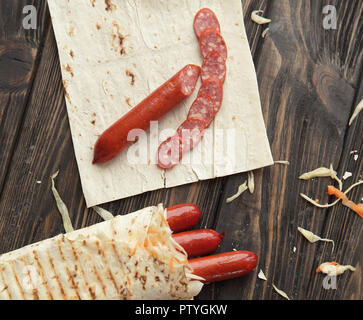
67	223
105	215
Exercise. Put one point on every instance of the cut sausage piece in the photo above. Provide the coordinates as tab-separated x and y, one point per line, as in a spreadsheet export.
211	40
213	88
156	105
204	19
191	131
199	242
224	266
169	152
202	108
183	216
214	65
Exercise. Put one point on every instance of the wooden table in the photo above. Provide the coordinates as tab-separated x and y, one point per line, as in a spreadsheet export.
310	81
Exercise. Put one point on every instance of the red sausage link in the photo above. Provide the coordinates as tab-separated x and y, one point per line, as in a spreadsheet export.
169	153
205	18
203	108
211	40
191	132
199	242
214	65
213	88
156	105
224	266
183	216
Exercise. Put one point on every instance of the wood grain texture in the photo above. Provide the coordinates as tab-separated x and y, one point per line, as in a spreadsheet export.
19	49
307	99
310	82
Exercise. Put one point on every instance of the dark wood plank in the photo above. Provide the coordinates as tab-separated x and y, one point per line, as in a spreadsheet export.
307	83
342	224
44	146
307	89
19	49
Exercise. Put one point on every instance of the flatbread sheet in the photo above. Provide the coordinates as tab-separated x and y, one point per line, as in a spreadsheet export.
129	257
114	53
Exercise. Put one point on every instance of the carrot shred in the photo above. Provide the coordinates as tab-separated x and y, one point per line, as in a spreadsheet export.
171	264
339	194
357	208
164	220
136	246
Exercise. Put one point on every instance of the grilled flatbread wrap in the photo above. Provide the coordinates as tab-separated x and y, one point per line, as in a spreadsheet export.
129	257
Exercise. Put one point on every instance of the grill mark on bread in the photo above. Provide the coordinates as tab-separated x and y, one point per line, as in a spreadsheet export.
61	289
109	273
99	279
17	280
97	275
6	287
75	255
122	270
70	276
122	267
41	274
83	274
34	291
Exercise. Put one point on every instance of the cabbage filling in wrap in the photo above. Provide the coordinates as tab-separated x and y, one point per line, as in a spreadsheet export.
129	257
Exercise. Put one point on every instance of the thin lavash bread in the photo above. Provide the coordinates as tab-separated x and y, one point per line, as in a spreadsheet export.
114	53
129	257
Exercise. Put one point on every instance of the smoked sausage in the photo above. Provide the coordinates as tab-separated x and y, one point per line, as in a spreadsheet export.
204	19
224	266
169	152
191	132
214	65
156	105
199	242
203	108
211	40
213	88
183	216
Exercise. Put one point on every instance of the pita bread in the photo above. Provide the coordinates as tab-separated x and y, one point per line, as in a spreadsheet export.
129	257
114	53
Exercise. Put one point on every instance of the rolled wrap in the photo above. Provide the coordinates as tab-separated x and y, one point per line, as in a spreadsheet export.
129	257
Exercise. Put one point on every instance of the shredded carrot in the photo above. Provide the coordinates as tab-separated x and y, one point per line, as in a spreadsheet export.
136	246
357	208
171	264
153	241
163	218
334	191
